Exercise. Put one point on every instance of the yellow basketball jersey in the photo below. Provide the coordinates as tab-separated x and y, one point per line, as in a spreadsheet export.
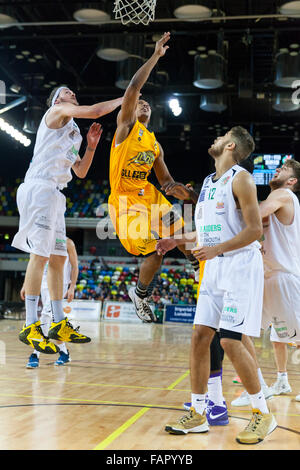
132	160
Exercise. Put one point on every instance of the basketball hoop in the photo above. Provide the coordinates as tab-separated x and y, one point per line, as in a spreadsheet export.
135	11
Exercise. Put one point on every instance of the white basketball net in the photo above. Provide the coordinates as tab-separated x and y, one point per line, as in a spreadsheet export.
135	11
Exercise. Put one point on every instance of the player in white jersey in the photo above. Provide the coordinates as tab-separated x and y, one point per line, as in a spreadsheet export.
41	207
70	279
281	255
228	224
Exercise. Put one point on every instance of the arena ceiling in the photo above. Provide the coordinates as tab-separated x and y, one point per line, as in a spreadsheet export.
48	46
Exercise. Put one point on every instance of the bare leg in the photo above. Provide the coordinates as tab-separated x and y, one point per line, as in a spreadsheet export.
281	356
248	343
200	358
55	276
148	268
55	280
34	274
243	363
32	287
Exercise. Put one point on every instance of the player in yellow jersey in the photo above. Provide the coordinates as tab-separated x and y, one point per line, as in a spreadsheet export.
139	212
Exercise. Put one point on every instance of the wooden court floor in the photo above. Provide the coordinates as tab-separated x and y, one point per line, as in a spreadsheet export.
121	389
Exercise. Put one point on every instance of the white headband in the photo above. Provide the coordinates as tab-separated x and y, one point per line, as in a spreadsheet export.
56	94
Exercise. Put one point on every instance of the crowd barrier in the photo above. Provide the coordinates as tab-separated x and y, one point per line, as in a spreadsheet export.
90	310
110	311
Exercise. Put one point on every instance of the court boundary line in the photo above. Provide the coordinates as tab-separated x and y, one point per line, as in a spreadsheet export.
121	429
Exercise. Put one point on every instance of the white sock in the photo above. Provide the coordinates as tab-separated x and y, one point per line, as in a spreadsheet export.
261	379
283	376
31	306
63	348
57	310
215	392
37	353
258	402
45	323
198	402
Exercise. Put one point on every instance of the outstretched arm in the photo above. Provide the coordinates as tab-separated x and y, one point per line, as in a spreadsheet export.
167	244
126	117
275	201
62	111
181	191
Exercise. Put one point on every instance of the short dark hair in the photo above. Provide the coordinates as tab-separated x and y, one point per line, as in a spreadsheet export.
50	98
244	143
295	165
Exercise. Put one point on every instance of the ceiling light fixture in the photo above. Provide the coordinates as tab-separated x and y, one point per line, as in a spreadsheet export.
192	10
213	103
175	106
14	133
290	9
287	66
6	21
91	15
209	70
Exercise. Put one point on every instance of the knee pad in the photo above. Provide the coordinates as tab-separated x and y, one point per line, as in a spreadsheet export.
230	334
216	353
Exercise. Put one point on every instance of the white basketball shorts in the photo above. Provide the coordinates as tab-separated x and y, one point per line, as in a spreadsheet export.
42	228
281	307
231	293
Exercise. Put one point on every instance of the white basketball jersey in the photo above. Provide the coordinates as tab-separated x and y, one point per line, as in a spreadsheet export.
67	274
55	152
217	217
281	243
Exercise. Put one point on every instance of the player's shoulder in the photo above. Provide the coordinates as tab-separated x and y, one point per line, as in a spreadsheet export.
240	174
281	193
243	181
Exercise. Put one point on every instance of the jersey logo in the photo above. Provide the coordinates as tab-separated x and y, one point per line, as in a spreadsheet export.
143	158
225	180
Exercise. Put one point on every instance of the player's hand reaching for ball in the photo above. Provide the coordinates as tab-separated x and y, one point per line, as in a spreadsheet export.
160	47
93	135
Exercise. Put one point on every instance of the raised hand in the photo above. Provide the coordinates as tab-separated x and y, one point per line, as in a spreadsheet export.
160	47
94	134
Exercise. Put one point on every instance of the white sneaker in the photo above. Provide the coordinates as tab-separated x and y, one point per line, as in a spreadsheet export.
244	399
280	387
142	308
297	397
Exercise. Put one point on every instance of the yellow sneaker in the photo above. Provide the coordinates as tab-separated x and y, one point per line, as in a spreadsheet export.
258	428
33	335
64	331
193	422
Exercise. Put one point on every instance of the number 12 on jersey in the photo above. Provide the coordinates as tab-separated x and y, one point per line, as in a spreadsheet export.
211	193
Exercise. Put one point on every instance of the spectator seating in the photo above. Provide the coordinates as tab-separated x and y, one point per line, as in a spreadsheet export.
173	285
